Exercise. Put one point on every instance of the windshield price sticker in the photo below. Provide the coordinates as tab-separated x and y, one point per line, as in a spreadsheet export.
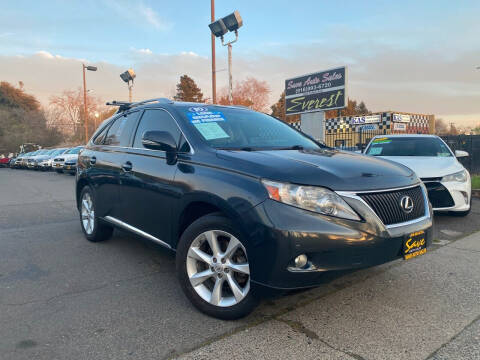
197	117
375	151
211	130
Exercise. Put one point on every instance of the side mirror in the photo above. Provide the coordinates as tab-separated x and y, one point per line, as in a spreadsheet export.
460	153
159	140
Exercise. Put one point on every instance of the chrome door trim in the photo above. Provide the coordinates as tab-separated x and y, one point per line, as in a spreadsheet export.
135	230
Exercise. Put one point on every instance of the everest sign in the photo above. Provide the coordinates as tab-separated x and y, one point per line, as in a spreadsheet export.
319	91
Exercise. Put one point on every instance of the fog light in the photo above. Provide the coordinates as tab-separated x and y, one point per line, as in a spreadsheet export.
465	196
301	261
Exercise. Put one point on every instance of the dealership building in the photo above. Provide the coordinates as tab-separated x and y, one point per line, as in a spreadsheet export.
351	131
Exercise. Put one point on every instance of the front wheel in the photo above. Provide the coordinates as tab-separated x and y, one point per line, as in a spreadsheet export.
92	227
213	268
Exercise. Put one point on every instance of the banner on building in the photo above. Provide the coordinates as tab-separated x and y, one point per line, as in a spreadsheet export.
399	126
367	119
320	91
368	127
401	118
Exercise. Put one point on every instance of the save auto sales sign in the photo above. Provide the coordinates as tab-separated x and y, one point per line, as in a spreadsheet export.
319	91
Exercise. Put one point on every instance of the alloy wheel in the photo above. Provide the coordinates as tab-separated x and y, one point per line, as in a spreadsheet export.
87	213
218	268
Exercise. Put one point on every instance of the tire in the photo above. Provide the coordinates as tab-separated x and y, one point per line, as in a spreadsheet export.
93	228
226	305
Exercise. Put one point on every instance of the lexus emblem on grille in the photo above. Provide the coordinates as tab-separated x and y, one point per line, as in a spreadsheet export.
406	203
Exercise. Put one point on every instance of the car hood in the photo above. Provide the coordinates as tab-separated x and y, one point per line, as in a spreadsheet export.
428	166
334	169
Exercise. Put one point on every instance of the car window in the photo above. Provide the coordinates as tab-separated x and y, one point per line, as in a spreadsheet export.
100	137
119	134
156	120
408	146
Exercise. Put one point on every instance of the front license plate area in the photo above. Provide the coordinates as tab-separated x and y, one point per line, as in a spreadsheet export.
414	245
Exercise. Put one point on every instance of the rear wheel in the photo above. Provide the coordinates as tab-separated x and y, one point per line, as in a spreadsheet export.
213	268
92	227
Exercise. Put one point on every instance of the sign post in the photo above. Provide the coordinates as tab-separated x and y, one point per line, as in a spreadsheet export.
312	94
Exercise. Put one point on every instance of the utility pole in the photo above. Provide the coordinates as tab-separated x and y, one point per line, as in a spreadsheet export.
230	85
85	117
214	73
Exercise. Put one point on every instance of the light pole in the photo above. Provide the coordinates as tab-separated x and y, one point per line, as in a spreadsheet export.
219	28
128	77
214	75
85	115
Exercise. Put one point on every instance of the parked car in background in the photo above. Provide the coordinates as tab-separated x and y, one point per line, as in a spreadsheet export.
70	156
245	201
46	163
4	161
447	181
26	158
18	161
12	161
40	156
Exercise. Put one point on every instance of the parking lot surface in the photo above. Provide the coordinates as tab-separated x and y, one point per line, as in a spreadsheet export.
62	297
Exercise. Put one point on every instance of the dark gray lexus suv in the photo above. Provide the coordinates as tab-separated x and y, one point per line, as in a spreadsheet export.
245	201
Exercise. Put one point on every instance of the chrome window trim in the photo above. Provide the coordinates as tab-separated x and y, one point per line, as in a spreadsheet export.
135	230
354	195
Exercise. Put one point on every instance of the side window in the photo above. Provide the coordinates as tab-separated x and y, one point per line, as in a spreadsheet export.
100	137
156	120
121	130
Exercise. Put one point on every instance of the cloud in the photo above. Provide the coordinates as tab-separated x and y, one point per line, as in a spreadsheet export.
146	51
153	18
139	13
384	77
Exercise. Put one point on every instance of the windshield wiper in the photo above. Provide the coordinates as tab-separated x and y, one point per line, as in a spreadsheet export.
294	147
243	148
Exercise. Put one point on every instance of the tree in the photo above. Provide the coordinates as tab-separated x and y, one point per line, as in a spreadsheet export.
251	92
278	110
22	120
441	127
352	109
66	113
187	90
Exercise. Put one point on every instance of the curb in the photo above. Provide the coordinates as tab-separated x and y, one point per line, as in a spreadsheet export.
476	193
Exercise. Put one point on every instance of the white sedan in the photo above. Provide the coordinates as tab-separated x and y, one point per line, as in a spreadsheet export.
447	181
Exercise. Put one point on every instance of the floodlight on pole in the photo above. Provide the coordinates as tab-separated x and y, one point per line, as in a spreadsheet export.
85	115
128	77
220	27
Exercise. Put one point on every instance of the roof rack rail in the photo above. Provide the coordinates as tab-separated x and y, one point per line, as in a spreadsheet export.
123	105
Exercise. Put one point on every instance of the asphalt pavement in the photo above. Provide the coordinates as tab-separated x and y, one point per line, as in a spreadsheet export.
62	297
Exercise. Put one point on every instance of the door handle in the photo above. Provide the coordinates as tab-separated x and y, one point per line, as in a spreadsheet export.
93	160
127	166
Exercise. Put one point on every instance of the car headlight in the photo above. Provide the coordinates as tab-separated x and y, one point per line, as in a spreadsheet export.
312	198
460	176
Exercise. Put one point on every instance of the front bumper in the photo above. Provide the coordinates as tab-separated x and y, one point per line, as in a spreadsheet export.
283	232
459	196
70	167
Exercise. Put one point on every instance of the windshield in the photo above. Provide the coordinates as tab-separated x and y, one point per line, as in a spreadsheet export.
408	146
243	129
74	150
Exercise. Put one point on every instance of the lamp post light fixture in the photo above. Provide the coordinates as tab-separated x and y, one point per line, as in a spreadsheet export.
219	28
128	77
85	115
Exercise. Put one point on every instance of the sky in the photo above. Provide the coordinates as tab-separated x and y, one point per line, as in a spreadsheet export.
411	56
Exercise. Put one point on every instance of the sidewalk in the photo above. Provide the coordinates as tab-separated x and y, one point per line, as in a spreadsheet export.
428	307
